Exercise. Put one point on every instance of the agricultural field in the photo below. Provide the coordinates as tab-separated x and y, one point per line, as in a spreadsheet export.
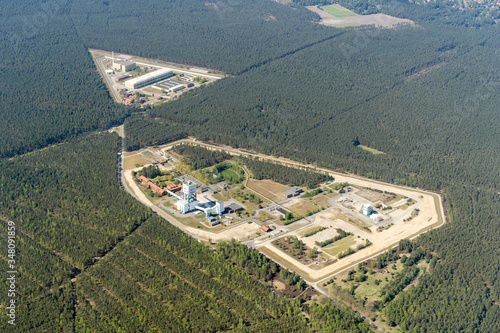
135	161
338	10
302	206
337	16
267	188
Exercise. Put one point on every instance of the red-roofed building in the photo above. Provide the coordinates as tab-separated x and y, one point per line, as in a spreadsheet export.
157	188
143	179
265	228
152	186
162	161
174	187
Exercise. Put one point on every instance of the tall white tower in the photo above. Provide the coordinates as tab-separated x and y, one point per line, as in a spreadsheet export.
189	191
219	207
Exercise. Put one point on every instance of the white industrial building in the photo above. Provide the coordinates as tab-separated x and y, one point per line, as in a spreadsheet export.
189	202
149	78
124	65
367	210
177	88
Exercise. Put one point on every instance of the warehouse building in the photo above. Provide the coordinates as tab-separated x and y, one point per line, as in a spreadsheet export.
148	79
124	65
177	88
292	192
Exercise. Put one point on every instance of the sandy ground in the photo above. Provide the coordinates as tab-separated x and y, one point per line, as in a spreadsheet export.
429	215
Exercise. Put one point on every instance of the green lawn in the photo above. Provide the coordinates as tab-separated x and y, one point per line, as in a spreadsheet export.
230	176
338	11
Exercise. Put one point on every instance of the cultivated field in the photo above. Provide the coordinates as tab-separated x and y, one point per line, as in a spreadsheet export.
338	11
378	20
135	161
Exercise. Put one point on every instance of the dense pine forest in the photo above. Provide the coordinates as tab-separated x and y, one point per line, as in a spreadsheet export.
200	157
426	96
227	35
284	175
148	132
49	87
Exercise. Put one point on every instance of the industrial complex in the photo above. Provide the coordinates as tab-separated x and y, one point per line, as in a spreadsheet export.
342	221
135	80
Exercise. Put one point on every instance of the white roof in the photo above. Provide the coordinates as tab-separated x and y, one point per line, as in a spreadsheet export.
149	76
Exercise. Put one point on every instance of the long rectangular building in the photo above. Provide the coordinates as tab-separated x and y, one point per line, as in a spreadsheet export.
149	78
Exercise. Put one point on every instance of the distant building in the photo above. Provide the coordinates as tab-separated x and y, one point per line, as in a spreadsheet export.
189	85
124	65
265	228
367	210
212	221
233	208
281	211
162	161
292	192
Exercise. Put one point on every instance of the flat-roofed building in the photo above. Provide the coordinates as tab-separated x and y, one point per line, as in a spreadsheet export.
177	88
124	65
292	192
150	78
